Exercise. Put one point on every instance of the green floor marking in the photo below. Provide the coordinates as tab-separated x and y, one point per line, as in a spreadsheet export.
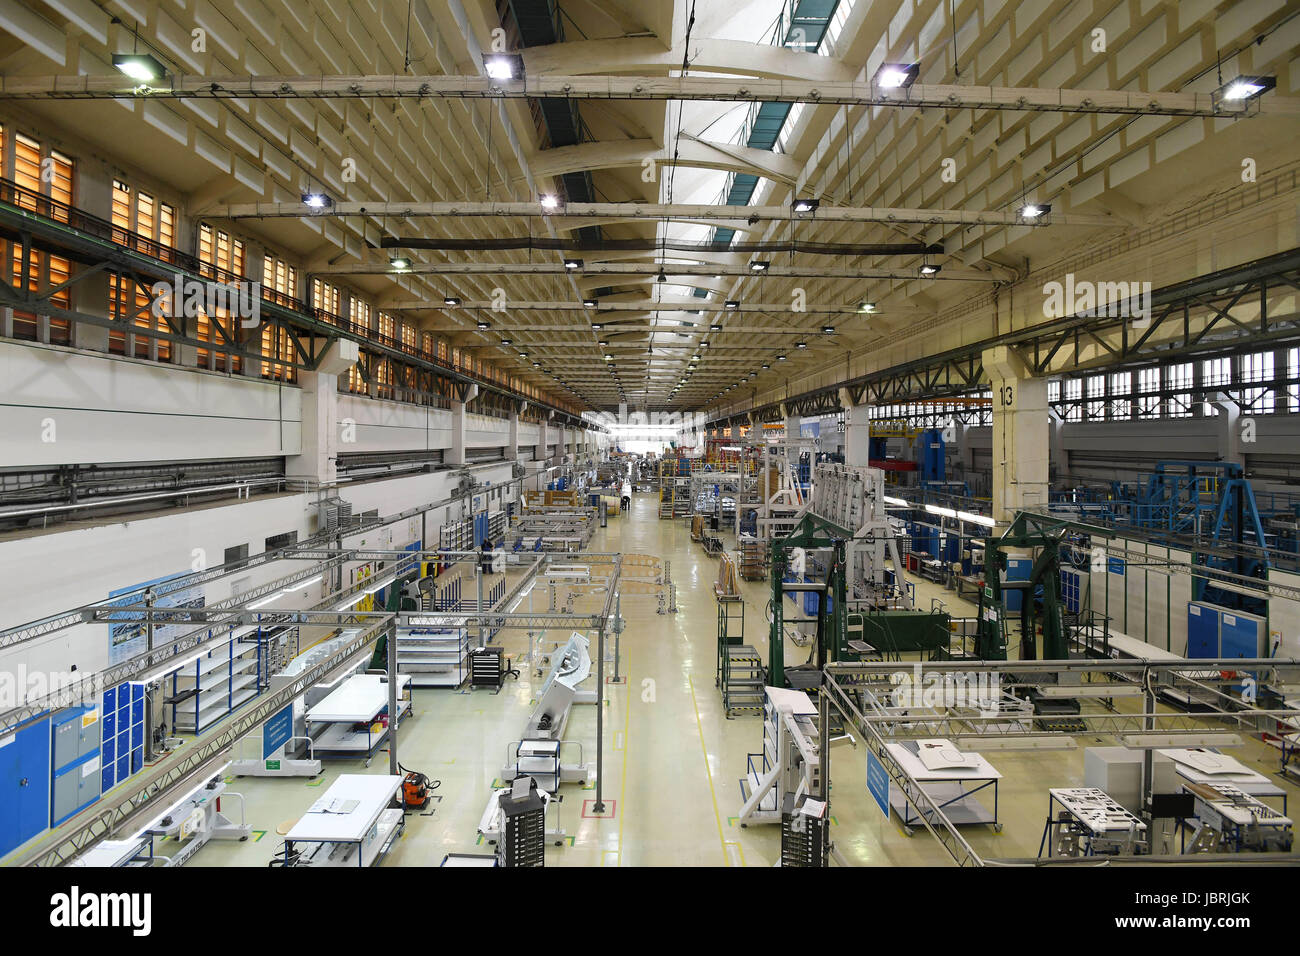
257	835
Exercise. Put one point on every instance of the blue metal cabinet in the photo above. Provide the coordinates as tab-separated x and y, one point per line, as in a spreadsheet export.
24	784
1239	635
123	734
1017	570
1202	630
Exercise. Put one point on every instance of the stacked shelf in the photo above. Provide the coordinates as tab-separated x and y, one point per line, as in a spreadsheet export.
211	686
742	679
753	558
457	536
433	657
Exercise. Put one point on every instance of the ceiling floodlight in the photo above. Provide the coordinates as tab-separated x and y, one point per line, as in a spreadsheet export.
504	66
139	66
895	76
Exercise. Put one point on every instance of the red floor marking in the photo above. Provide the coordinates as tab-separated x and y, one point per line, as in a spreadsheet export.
610	808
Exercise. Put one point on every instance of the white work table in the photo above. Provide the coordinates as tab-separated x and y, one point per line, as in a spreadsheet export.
355	810
1093	814
947	787
1123	646
1205	766
358	700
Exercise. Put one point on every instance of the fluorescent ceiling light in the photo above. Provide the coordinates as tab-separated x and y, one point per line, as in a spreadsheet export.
572	264
1034	210
929	269
805	205
759	266
898	502
940	510
976	519
732	304
451	300
316	200
1189	738
549	201
866	307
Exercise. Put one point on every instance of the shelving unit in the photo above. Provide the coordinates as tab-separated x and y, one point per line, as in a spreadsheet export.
210	687
433	656
468	534
457	536
753	558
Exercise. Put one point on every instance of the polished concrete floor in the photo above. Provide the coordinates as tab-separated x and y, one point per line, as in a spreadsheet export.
672	760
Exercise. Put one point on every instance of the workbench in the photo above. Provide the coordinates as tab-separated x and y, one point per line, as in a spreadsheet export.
1194	765
947	787
1232	818
353	824
359	700
1092	817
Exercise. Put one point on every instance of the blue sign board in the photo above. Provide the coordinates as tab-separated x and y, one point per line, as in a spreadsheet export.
878	782
277	730
1115	565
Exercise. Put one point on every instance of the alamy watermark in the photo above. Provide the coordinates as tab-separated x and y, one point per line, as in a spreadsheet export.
20	685
1083	297
967	690
190	298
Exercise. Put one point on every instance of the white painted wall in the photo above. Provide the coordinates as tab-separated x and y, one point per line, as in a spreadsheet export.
49	573
110	409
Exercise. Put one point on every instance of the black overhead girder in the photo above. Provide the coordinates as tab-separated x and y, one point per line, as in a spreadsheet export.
960	371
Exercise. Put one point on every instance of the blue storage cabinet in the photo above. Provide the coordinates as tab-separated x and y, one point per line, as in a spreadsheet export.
1216	632
75	757
1017	570
123	734
1202	630
1240	634
1071	589
24	784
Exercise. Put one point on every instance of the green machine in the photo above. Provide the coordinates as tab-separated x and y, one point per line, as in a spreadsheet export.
1026	532
810	534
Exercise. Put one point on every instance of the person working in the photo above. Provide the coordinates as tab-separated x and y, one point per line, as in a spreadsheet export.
627	494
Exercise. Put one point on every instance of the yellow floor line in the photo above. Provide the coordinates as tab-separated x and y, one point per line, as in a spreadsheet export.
712	792
622	795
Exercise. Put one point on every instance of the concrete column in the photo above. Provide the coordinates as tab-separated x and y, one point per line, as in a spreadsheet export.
1060	457
1228	428
857	435
320	403
512	439
1020	434
540	450
455	454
